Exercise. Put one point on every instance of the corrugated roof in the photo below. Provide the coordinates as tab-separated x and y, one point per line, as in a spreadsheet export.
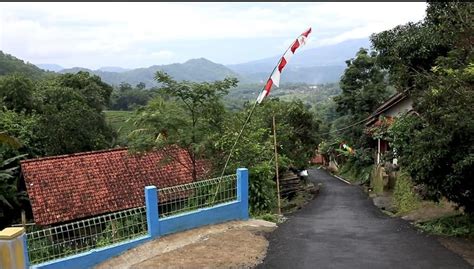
67	187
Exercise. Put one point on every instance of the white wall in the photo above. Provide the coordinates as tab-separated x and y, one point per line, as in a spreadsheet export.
399	108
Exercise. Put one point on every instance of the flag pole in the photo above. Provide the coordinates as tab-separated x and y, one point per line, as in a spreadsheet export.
276	164
250	115
254	106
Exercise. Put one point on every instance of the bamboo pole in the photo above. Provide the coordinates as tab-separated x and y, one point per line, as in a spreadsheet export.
276	164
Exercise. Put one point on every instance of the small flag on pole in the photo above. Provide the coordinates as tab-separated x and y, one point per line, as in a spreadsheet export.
275	76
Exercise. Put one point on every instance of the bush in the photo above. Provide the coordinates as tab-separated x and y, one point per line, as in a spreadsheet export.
262	189
404	197
358	167
460	225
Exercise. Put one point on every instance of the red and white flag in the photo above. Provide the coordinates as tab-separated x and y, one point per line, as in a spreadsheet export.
275	76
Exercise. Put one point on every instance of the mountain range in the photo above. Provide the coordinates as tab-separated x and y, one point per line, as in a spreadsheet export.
314	66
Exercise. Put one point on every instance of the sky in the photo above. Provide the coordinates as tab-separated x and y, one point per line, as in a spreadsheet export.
133	35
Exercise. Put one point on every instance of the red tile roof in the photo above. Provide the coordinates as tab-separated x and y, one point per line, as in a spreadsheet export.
67	187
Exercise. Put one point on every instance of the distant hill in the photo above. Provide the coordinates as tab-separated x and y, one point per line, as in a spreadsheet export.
317	65
193	70
50	67
314	66
10	64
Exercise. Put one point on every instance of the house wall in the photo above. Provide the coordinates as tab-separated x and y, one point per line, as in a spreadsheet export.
399	108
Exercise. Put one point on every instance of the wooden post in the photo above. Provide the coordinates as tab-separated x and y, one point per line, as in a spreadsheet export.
276	165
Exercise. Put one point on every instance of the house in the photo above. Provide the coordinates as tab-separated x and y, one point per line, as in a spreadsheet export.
68	187
384	116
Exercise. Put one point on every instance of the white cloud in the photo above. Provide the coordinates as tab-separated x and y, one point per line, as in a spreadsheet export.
83	33
162	54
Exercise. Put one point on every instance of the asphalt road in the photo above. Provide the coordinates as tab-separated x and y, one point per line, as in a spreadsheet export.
342	228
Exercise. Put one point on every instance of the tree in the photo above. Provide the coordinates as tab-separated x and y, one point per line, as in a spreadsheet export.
363	85
96	92
364	88
437	145
68	124
127	98
16	92
185	114
297	129
140	86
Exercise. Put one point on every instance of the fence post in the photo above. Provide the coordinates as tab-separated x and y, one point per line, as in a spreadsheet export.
243	192
13	248
151	201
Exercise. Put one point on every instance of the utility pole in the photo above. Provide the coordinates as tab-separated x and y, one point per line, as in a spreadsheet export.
276	164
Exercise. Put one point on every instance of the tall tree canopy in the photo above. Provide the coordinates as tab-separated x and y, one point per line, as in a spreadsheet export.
185	114
364	88
437	145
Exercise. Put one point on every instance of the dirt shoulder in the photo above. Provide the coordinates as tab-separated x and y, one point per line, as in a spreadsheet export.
236	244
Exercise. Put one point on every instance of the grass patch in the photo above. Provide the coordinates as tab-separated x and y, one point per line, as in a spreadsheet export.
269	217
404	198
459	225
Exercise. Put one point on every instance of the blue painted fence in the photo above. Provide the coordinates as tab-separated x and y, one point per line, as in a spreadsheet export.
235	210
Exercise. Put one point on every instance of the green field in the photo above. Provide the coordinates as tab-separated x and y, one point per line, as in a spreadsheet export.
118	121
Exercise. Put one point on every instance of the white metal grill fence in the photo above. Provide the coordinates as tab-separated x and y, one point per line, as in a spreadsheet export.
81	236
200	194
84	235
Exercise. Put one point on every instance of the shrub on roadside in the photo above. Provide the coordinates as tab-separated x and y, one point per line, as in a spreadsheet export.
459	225
404	197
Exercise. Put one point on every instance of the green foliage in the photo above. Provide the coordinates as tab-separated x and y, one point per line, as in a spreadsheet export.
364	88
9	140
95	92
9	195
404	197
16	92
185	114
67	124
296	127
434	60
407	49
22	126
459	225
437	147
127	97
296	137
363	85
262	188
358	166
121	229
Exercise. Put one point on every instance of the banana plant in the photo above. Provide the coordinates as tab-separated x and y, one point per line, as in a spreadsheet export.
9	194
